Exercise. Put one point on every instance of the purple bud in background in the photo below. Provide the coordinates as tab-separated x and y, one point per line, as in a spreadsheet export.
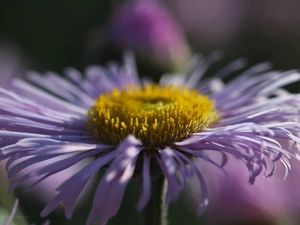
268	201
148	28
11	64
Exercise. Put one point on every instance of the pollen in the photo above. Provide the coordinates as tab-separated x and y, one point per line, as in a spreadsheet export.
157	115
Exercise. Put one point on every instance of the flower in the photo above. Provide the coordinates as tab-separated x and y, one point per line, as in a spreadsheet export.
135	128
272	200
12	66
150	30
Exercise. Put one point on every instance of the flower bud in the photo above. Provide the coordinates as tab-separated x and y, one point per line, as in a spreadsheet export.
149	29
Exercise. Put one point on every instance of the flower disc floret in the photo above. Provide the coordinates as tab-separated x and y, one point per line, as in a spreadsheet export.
157	115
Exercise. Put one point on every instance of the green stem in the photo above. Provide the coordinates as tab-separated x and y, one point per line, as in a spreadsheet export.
156	211
7	200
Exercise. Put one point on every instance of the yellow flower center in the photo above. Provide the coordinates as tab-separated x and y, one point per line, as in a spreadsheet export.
158	116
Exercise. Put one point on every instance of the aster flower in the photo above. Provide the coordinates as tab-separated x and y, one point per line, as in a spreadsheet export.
12	66
135	128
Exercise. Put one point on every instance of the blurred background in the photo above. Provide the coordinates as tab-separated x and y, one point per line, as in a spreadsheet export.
52	35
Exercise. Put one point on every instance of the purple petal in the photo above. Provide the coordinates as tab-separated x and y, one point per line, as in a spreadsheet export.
111	189
174	187
13	212
46	170
146	186
73	187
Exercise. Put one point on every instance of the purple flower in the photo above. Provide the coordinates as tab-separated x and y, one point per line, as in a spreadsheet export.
12	66
135	128
149	29
269	199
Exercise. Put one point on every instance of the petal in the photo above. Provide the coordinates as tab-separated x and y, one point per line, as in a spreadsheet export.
71	189
146	185
111	189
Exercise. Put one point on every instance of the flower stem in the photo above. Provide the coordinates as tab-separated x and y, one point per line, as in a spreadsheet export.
156	211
